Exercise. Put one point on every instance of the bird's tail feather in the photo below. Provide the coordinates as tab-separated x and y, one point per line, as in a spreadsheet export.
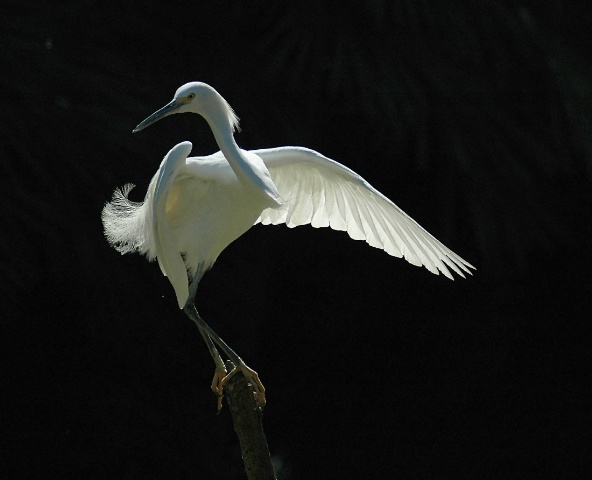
124	222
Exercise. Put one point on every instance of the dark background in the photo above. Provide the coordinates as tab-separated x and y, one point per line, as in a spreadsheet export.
474	117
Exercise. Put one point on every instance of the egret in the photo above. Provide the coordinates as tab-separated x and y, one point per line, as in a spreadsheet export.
196	206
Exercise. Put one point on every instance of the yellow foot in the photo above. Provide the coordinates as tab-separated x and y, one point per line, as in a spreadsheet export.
218	386
221	378
253	378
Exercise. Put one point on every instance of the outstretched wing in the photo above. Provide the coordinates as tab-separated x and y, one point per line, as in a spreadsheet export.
324	193
144	227
170	260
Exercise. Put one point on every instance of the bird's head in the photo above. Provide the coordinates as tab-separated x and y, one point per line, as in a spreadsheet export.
194	97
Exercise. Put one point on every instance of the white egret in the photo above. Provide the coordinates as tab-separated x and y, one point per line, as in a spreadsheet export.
196	206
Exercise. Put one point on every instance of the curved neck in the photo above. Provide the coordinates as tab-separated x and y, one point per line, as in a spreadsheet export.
225	139
249	174
228	146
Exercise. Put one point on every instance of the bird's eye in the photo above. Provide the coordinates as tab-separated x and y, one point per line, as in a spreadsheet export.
191	96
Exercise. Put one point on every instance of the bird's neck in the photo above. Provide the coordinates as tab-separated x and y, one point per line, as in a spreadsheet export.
246	172
228	146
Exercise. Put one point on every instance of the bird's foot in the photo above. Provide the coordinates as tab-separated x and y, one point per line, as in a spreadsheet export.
217	385
221	379
252	377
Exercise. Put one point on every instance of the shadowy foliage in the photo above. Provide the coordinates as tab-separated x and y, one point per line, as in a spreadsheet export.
474	117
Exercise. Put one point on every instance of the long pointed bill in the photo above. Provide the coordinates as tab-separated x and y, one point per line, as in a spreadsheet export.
165	111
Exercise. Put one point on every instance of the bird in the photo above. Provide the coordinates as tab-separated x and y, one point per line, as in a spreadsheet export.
196	206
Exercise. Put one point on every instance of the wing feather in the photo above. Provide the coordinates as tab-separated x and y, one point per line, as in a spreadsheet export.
144	227
322	192
169	259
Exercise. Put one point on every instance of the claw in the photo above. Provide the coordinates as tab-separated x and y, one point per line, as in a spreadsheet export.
253	379
221	379
218	386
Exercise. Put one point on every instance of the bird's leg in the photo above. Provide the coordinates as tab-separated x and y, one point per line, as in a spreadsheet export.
250	374
220	372
211	338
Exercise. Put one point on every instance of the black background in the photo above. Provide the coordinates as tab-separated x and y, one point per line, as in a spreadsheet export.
474	117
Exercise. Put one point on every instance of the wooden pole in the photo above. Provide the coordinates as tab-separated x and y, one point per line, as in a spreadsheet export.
248	425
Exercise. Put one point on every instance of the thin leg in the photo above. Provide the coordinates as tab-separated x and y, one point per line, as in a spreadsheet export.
220	372
191	304
213	350
192	313
209	336
250	374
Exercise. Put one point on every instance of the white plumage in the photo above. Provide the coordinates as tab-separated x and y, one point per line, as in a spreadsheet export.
324	193
196	206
